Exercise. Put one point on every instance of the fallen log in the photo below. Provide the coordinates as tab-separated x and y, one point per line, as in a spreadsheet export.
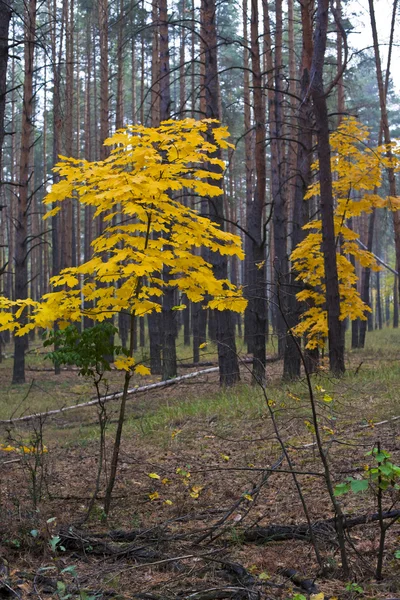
110	397
325	529
74	539
116	395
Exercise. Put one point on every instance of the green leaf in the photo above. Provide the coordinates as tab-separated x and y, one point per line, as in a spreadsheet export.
341	488
397	554
381	456
359	485
54	541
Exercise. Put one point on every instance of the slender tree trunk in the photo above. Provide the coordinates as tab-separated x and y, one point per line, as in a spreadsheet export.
133	68
249	316
280	264
21	238
66	209
5	16
104	73
302	180
339	53
336	348
154	319
382	88
168	301
378	312
225	331
257	301
11	211
396	302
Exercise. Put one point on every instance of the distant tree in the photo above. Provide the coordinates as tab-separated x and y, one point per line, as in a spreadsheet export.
5	16
25	172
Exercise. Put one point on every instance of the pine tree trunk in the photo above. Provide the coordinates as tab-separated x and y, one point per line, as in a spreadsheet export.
336	349
365	281
225	331
292	359
168	315
257	275
396	302
5	16
66	207
382	88
21	238
280	264
248	148
154	319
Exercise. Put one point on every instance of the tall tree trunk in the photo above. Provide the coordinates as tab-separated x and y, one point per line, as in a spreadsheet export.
366	275
123	317
366	278
168	301
133	68
378	312
21	238
255	229
225	331
302	180
104	71
396	301
154	319
5	16
280	264
66	209
382	88
248	147
339	55
336	348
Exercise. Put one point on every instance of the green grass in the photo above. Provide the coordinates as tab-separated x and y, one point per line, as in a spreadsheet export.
368	390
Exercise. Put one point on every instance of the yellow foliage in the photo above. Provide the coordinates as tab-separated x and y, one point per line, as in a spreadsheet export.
357	173
136	192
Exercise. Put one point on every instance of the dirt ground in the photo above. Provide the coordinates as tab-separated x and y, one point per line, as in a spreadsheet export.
199	469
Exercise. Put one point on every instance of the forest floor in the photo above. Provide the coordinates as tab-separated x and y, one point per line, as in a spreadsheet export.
192	484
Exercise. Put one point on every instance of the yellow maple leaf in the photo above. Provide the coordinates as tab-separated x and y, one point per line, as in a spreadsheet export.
124	363
142	370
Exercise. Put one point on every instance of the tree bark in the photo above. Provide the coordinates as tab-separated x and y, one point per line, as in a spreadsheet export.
302	180
382	88
21	237
280	263
5	16
248	148
255	210
169	369
225	331
336	347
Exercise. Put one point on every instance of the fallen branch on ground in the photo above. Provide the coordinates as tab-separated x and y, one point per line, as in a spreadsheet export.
325	529
109	397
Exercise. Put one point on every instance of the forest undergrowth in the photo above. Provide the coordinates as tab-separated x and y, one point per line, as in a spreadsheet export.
205	505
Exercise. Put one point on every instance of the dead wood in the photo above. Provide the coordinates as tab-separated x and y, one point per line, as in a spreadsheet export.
73	539
110	397
234	593
323	529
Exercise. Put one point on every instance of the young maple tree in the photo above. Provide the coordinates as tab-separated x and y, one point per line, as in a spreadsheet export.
135	192
358	173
